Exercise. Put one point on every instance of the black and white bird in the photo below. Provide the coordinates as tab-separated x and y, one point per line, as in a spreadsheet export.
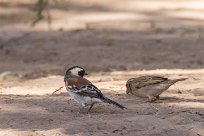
83	91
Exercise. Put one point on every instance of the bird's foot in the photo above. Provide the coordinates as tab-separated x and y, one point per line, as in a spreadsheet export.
152	98
89	109
157	97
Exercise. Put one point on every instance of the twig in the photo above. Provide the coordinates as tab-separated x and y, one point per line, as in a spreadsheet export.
56	90
194	78
41	7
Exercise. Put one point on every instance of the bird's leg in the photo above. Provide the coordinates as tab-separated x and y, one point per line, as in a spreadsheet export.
152	98
90	108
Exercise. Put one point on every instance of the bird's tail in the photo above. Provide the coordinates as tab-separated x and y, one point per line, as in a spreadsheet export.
176	80
107	100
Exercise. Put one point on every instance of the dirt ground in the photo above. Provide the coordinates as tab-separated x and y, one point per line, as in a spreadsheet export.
114	40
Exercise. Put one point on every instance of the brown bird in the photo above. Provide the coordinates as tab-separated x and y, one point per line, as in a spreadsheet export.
149	86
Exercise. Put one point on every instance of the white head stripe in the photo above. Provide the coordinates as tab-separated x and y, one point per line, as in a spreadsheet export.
75	71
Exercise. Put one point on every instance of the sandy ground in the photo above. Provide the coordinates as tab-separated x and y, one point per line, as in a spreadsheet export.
29	108
114	43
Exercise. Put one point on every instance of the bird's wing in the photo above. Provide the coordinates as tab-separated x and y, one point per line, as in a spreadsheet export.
91	91
83	87
147	80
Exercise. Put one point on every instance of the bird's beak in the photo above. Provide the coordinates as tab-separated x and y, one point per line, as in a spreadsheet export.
85	73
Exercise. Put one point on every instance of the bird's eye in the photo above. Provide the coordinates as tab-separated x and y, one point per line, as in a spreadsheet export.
81	73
